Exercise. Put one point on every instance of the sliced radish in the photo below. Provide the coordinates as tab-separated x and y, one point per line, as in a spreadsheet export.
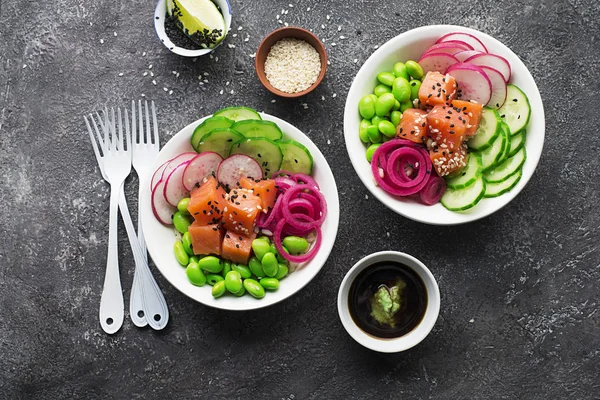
495	61
472	81
439	62
463	55
175	162
200	167
157	176
498	87
475	43
447	48
174	189
162	210
236	167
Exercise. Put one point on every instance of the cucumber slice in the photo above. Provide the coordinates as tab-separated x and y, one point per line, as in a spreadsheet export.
463	199
516	109
237	113
265	151
296	157
517	142
497	189
509	167
508	136
219	140
208	125
468	175
258	128
488	130
491	156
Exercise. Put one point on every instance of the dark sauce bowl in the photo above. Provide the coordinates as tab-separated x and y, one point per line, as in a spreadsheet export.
414	320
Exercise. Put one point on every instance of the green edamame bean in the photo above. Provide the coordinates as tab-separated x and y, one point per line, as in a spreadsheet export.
211	279
195	275
211	264
401	89
180	255
414	69
376	120
405	105
395	117
400	70
371	150
282	271
256	267
218	289
254	288
374	134
226	268
366	107
233	282
362	130
384	104
295	244
387	78
415	85
269	264
181	222
270	283
183	205
396	105
260	248
241	292
186	239
387	128
194	259
243	270
279	256
381	89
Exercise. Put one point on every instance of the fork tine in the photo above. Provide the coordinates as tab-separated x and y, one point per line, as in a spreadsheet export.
134	133
127	131
120	124
148	137
92	139
141	121
108	144
103	127
156	143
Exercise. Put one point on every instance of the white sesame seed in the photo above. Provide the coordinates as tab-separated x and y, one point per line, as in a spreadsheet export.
144	54
322	26
170	92
277	17
366	197
24	66
286	24
143	95
231	91
334	95
328	62
101	41
234	35
252	55
307	8
248	38
227	83
165	89
240	28
205	81
323	98
177	75
388	234
115	33
145	73
231	46
273	101
120	74
328	141
291	5
206	74
211	56
201	83
376	46
342	37
151	73
339	28
280	21
153	82
355	60
150	66
221	92
328	17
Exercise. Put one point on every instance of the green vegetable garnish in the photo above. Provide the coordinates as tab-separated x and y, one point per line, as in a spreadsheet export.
386	302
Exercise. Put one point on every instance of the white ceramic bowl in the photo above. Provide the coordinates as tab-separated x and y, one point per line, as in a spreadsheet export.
412	338
159	26
409	46
160	239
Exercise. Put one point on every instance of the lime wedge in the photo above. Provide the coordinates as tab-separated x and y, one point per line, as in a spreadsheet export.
201	20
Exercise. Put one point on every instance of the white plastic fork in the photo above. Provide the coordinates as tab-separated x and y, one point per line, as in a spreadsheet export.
117	166
145	291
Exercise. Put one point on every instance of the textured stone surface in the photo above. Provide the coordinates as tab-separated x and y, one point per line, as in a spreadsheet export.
519	289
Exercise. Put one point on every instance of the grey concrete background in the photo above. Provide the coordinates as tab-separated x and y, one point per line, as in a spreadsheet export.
519	316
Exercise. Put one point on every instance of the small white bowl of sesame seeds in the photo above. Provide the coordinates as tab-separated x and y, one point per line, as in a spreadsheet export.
291	62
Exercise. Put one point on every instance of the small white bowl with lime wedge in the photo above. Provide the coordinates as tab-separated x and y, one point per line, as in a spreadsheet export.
198	15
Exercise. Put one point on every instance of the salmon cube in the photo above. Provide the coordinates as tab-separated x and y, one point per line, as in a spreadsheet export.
413	125
241	210
447	126
237	247
437	89
472	110
264	189
206	239
207	202
446	161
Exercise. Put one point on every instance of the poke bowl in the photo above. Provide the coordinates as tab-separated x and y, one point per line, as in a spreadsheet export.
487	173
192	273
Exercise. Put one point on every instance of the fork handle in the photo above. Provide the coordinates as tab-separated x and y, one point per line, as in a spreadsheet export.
146	296
111	303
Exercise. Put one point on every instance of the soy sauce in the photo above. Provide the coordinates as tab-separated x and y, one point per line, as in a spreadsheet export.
413	299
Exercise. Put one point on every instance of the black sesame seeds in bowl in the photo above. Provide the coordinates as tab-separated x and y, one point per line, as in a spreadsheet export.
183	32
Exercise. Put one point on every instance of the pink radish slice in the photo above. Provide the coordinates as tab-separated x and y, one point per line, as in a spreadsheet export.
463	55
174	189
162	210
495	61
175	162
157	176
453	43
448	48
200	167
236	167
498	87
472	81
475	43
439	62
